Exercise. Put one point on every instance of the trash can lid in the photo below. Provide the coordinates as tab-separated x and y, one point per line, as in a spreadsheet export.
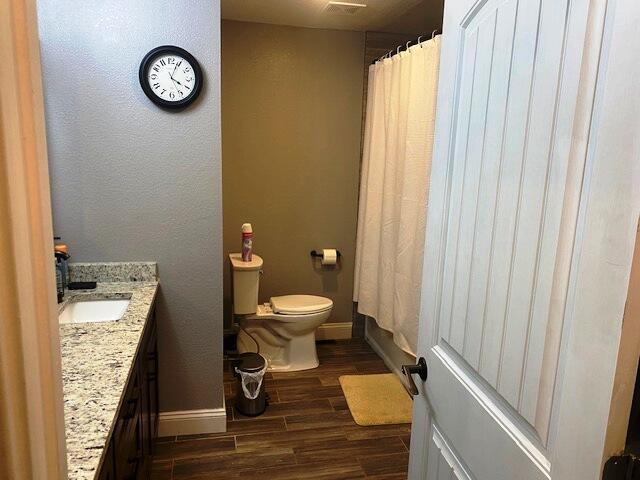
251	362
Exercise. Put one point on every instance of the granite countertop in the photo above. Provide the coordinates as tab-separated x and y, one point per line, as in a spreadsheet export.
96	361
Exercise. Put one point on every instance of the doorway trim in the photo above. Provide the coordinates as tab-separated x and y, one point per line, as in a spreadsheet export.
32	438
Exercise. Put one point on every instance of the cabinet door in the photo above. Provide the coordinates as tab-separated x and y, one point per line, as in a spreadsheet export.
107	469
127	434
144	444
148	395
131	445
152	379
145	401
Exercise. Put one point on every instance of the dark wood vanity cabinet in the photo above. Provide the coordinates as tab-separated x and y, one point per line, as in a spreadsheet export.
129	449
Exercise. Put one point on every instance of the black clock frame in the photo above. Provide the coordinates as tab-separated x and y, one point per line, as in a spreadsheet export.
150	58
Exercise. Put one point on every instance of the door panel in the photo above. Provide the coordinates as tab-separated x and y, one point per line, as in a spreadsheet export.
505	213
506	201
443	465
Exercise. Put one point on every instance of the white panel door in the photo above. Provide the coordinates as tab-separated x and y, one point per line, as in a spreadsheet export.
516	195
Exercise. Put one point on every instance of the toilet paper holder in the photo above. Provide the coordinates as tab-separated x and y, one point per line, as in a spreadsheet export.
321	255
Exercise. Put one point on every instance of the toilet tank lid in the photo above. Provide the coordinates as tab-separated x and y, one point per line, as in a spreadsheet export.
298	304
238	264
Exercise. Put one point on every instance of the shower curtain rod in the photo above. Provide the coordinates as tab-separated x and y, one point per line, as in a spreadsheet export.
390	53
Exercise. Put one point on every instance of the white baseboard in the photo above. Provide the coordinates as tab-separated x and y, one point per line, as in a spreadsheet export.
192	422
334	331
395	368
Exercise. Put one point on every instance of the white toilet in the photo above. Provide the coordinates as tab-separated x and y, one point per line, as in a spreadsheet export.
284	329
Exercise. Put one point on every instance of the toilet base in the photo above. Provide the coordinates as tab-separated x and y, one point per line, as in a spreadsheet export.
283	354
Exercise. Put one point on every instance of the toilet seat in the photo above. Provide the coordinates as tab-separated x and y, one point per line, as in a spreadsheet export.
300	304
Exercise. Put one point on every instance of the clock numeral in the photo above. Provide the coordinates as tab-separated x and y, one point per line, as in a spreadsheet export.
153	76
179	63
187	87
172	95
162	62
188	79
156	85
180	92
162	92
156	68
171	60
186	70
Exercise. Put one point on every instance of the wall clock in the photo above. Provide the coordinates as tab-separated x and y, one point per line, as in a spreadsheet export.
170	76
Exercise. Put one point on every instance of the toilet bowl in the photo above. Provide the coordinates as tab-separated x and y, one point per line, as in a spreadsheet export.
283	330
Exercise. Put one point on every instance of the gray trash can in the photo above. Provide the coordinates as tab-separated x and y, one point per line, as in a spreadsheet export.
249	369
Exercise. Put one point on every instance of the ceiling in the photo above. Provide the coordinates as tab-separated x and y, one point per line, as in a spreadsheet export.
400	16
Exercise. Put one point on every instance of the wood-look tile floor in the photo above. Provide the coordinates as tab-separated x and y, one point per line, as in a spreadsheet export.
307	431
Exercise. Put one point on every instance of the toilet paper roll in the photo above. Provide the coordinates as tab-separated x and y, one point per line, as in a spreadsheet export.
329	256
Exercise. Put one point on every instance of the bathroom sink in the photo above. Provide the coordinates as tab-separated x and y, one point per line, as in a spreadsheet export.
86	311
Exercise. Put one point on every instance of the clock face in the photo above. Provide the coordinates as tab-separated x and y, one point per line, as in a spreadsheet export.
170	77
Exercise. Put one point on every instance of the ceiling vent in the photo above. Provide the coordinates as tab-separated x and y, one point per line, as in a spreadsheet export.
344	8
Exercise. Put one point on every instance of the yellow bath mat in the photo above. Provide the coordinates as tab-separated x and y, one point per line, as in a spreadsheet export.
376	399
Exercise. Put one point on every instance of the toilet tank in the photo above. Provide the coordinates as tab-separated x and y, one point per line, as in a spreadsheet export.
245	281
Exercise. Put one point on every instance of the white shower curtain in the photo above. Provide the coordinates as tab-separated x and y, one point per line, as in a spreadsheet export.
394	189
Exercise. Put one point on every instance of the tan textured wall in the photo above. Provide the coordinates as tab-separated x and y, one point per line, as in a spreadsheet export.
291	129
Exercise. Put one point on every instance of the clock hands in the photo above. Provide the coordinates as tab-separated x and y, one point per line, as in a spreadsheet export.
185	86
175	86
174	80
177	81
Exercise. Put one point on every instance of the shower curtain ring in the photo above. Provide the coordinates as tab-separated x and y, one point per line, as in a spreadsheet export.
419	37
407	46
433	34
